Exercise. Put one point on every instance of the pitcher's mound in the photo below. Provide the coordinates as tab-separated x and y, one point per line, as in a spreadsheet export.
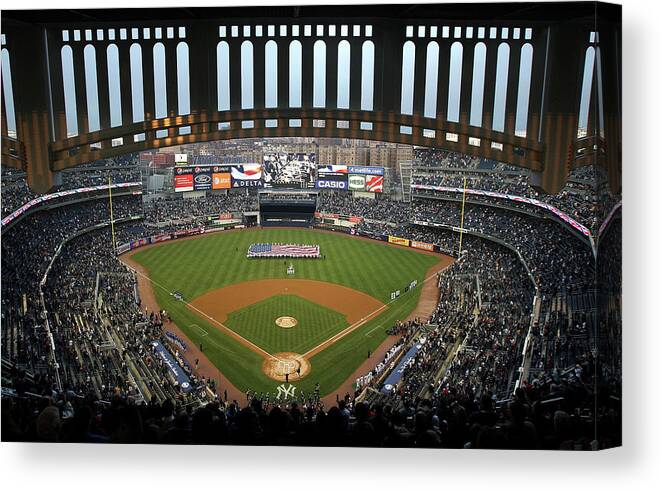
283	363
286	322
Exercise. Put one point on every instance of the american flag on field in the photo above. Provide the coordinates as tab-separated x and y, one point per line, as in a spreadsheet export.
282	250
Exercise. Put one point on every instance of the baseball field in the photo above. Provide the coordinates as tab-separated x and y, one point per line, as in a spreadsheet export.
261	327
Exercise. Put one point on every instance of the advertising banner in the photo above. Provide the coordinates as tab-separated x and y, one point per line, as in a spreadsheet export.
364	170
318	214
398	240
333	177
180	158
221	180
422	245
357	182
247	175
183	183
188	232
374	183
338	185
396	375
124	247
173	366
161	238
138	243
332	170
183	179
202	178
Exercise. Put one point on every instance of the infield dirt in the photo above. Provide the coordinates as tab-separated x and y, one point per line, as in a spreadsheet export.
354	304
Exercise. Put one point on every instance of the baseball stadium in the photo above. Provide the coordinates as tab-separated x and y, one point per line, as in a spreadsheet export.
278	226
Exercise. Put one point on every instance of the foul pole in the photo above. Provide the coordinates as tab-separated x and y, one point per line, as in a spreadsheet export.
461	227
112	219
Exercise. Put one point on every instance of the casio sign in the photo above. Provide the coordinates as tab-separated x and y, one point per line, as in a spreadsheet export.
329	184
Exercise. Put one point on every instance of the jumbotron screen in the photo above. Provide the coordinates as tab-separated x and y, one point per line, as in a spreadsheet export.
290	170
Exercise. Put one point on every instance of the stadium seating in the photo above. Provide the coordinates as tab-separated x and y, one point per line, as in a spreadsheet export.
513	335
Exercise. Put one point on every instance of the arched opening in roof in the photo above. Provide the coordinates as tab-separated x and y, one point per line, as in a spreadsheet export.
160	87
454	83
586	92
114	88
319	74
477	89
8	94
367	77
295	74
271	74
91	88
343	74
600	92
223	75
408	79
247	78
69	86
500	94
431	80
137	85
523	94
183	84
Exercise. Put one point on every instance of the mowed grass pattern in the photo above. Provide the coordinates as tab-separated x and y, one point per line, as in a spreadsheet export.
315	324
194	267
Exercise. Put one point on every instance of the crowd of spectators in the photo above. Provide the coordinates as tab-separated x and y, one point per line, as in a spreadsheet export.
584	197
177	209
16	192
463	388
27	251
557	259
480	315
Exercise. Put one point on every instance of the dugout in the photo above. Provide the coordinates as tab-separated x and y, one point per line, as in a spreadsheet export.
287	208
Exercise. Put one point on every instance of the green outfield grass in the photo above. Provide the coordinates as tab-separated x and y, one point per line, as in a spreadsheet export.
194	267
257	324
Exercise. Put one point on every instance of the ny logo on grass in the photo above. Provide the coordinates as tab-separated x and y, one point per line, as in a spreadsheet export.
285	391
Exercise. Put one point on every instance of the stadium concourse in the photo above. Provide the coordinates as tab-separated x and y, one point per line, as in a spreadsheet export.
512	356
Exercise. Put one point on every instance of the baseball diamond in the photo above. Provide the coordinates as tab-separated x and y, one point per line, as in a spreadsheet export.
341	304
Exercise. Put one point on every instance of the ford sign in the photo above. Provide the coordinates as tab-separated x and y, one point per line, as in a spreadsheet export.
203	178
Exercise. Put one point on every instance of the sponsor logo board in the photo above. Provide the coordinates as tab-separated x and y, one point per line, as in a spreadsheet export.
357	182
202	181
333	169
398	240
252	171
363	170
332	184
183	183
221	180
249	175
422	245
374	183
